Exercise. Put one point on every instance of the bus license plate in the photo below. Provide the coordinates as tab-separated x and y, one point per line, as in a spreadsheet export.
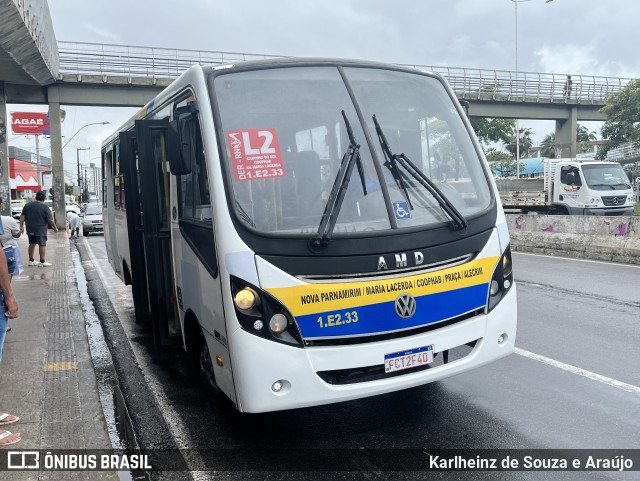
398	361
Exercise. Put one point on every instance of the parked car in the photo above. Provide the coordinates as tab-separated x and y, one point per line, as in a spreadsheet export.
92	220
16	207
71	206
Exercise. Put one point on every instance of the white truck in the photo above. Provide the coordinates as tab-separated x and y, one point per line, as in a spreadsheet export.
570	187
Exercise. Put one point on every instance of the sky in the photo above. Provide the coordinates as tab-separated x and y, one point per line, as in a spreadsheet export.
588	37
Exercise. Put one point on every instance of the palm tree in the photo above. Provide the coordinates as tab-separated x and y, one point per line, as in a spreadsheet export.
583	134
525	142
583	141
548	146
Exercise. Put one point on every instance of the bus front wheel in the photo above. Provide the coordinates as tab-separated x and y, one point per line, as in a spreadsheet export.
207	374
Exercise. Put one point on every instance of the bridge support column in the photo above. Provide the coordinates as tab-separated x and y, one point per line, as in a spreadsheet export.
5	128
57	164
566	132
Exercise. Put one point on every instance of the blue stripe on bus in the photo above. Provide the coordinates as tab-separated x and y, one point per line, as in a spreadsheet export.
380	318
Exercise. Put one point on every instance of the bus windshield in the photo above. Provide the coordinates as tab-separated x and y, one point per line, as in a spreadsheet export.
286	138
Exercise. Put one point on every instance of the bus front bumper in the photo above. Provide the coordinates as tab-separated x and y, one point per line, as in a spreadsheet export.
261	366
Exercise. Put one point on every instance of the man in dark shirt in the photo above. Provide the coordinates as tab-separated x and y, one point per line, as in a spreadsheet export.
37	216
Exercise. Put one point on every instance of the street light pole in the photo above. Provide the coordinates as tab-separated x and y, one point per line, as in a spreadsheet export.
78	158
78	131
515	3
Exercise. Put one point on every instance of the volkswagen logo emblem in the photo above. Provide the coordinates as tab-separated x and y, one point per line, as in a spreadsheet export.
405	306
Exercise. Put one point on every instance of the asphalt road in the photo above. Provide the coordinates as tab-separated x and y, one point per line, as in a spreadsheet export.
573	383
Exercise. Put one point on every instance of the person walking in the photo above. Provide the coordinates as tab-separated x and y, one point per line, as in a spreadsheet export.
38	216
73	220
8	310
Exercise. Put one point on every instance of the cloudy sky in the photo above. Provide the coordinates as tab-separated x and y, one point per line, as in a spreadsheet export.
590	37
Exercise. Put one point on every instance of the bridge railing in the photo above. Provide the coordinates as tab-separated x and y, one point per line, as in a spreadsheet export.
504	85
79	58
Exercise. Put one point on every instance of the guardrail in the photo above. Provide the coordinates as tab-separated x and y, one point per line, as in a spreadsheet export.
81	58
628	151
504	85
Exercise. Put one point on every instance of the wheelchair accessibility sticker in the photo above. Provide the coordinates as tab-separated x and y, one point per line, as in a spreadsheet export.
401	209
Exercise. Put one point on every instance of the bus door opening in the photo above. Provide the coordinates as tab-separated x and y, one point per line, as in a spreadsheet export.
148	219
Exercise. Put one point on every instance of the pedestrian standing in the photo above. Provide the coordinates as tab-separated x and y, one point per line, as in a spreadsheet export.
9	244
8	310
38	216
11	230
567	87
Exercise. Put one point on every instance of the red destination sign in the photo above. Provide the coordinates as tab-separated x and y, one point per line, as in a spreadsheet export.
33	123
255	154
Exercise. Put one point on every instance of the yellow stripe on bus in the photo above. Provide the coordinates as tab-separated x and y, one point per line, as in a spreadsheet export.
311	298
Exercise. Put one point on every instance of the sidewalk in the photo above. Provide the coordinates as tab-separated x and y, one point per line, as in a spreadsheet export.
47	376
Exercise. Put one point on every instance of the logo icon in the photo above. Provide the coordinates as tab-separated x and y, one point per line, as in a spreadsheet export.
615	201
405	306
23	459
401	210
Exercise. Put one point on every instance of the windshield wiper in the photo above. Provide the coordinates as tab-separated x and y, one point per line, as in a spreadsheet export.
392	164
244	216
330	216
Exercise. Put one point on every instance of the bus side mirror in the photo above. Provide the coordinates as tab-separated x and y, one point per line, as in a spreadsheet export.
465	106
180	146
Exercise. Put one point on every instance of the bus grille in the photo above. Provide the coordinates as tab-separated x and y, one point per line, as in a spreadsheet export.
375	373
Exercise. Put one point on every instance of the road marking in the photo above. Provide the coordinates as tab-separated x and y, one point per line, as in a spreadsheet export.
579	371
618	264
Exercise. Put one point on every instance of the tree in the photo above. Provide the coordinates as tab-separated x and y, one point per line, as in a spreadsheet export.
583	134
493	130
548	146
623	112
501	163
526	141
583	142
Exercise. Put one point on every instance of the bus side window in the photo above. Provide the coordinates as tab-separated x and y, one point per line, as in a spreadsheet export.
193	188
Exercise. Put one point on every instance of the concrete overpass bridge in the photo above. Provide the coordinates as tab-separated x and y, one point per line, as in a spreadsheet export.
37	69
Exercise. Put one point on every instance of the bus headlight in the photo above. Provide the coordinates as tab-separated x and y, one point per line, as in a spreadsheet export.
278	323
245	299
253	307
501	281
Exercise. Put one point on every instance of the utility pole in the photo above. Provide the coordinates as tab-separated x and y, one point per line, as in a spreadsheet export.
78	159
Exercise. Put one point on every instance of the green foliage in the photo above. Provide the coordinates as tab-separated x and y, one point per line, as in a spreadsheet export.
623	112
548	146
495	155
493	130
68	189
583	134
583	139
502	163
526	141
